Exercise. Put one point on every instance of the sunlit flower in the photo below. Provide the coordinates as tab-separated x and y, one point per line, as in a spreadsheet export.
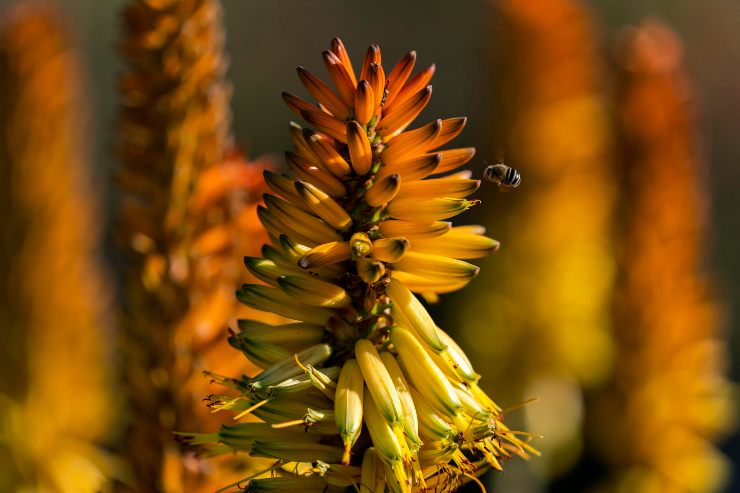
363	389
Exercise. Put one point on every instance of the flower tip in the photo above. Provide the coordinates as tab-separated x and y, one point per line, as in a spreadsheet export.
330	58
394	179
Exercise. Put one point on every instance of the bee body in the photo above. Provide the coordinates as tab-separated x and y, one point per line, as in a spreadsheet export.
502	175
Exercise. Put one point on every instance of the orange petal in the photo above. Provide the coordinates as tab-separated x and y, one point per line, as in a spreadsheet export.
404	113
412	86
398	76
413	169
283	186
451	128
299	141
323	94
377	82
326	123
339	77
360	152
337	47
307	172
428	210
372	56
454	158
457	188
328	155
413	230
297	104
384	190
410	144
364	102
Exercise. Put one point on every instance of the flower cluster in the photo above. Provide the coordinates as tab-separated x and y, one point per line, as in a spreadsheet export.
363	388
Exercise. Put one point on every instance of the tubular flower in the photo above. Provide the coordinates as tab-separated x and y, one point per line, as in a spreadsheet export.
671	395
363	388
188	206
57	404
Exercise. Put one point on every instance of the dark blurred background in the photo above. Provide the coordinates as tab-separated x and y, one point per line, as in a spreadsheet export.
266	40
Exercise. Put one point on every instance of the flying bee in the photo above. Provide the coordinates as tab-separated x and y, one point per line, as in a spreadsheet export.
502	175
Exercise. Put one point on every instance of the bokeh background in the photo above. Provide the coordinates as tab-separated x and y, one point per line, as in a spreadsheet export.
557	85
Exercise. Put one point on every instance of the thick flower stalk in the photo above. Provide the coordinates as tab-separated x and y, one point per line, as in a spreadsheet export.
670	398
553	309
188	212
363	388
57	406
